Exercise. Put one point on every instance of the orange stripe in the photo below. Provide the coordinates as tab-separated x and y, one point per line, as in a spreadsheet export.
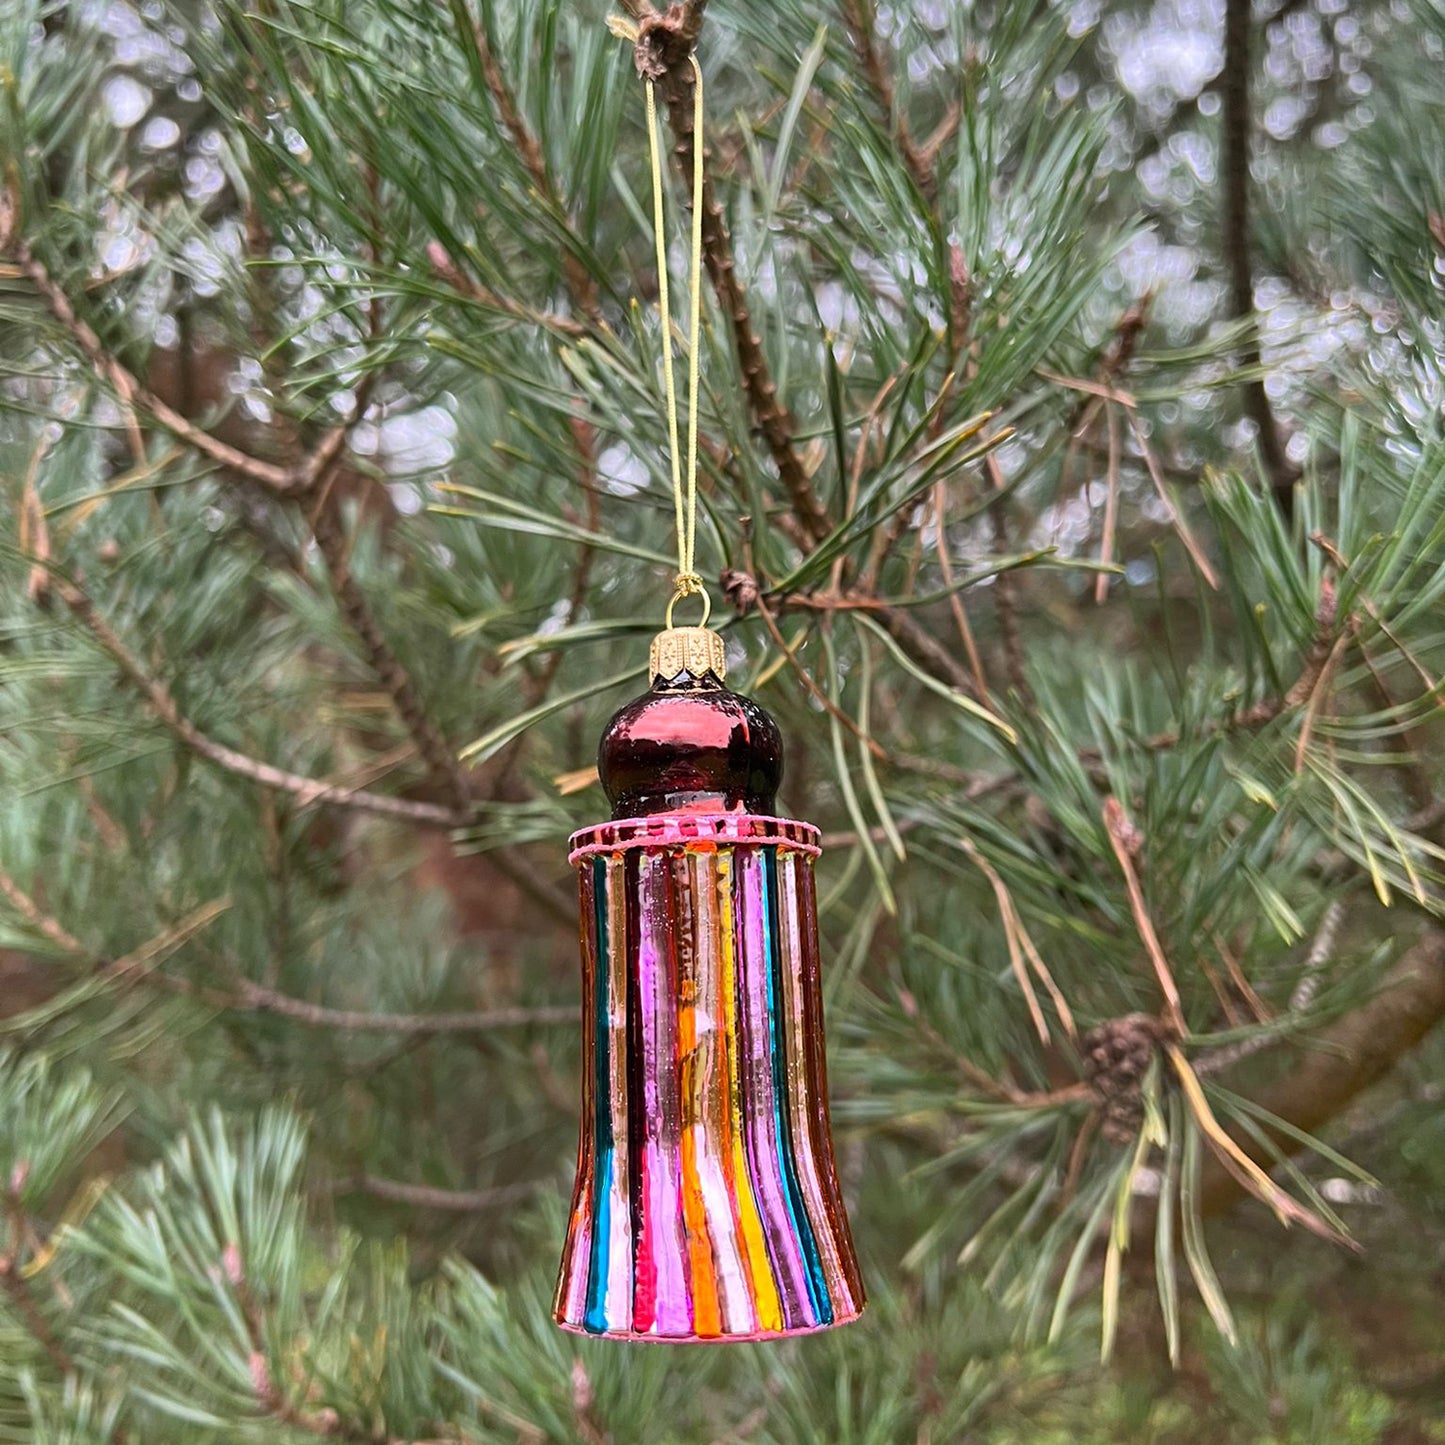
706	1314
750	1224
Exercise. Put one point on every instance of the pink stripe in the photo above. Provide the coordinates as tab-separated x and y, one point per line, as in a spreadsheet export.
663	1297
764	1164
618	1302
714	1166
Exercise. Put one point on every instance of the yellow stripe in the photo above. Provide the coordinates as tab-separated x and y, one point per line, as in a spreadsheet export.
706	1315
765	1289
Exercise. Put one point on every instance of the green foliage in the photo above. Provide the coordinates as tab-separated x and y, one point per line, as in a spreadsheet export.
286	1096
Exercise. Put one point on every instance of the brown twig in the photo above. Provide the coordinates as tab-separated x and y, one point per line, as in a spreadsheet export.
132	393
1125	840
270	1397
1341	564
664	46
1176	518
925	649
1235	147
252	997
940	135
812	687
1337	1063
1239	1164
1078	1153
447	270
529	151
1257	1006
862	31
308	791
1021	947
955	602
37	918
438	755
14	1283
244	996
424	1196
1218	1060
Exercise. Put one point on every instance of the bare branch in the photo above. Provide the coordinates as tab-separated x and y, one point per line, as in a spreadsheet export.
529	150
1238	234
1341	1061
424	1196
668	41
1125	841
862	31
308	791
245	996
133	394
254	998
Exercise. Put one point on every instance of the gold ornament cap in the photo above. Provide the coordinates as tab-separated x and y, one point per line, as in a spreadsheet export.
687	649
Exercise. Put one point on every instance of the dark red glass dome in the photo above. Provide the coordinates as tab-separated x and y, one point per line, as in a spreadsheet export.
689	745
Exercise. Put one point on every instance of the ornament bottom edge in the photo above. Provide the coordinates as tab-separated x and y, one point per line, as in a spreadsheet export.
637	1337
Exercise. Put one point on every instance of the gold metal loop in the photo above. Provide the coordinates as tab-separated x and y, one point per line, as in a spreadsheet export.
689	584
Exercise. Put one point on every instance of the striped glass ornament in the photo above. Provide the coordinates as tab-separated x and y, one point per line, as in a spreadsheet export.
706	1205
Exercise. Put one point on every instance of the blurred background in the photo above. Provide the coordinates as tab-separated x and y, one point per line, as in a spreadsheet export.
1073	492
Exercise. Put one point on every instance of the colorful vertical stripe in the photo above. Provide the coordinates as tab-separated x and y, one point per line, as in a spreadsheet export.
706	1204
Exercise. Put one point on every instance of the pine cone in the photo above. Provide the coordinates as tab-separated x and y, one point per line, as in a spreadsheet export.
740	589
1117	1055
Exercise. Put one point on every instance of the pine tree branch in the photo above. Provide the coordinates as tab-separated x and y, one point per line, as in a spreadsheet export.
583	290
425	1196
325	523
529	151
941	134
1341	1061
1125	840
14	1283
244	996
133	393
254	998
1216	1061
862	30
1238	238
37	918
663	49
440	758
925	649
308	791
447	270
270	1398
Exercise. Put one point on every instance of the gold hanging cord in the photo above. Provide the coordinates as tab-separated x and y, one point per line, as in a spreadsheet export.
687	583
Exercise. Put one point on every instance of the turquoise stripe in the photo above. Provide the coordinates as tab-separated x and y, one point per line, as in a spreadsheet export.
793	1196
595	1318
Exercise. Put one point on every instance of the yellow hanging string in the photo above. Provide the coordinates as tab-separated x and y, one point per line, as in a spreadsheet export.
687	583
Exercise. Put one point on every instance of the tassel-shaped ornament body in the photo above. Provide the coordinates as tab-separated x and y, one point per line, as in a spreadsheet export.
706	1206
